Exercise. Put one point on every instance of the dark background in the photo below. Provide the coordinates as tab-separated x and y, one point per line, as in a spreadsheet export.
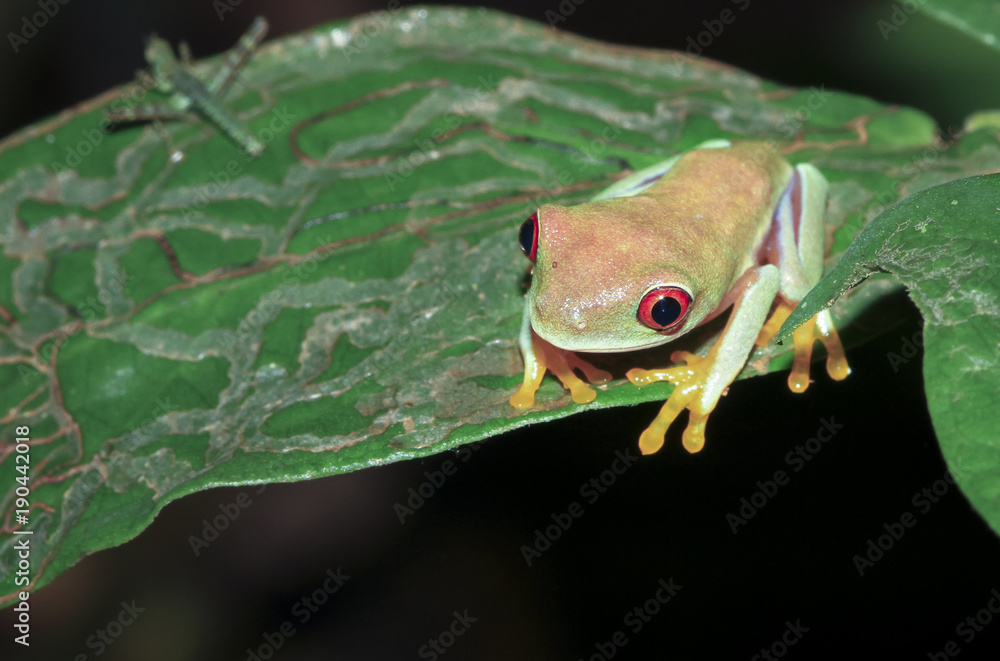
664	518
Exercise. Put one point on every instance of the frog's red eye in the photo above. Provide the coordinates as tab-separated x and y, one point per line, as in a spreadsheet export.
528	237
664	308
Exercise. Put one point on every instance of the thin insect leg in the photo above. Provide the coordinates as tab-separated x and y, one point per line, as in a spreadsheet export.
185	52
236	58
146	79
189	92
161	131
144	113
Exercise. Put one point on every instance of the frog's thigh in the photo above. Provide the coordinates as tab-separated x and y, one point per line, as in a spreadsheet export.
799	232
799	238
748	316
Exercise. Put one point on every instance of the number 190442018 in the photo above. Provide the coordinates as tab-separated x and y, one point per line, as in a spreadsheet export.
22	546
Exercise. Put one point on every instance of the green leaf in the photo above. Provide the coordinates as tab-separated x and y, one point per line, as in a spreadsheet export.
980	19
352	297
943	244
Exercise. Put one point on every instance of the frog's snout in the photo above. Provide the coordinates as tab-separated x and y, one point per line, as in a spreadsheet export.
558	321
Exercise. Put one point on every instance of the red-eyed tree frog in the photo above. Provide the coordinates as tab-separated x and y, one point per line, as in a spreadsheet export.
669	248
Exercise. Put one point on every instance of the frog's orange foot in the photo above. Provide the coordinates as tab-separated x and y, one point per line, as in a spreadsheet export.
594	375
675	375
804	337
524	398
819	328
771	327
689	382
561	363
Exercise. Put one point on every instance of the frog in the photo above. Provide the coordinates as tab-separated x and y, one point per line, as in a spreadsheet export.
723	227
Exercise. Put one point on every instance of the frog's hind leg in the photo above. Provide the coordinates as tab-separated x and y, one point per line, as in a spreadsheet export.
797	248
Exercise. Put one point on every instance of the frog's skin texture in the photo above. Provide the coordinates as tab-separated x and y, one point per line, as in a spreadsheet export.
667	249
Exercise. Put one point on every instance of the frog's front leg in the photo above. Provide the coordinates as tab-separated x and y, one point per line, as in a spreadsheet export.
699	384
539	355
796	246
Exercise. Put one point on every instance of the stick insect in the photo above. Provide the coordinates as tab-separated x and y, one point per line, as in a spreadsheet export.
189	92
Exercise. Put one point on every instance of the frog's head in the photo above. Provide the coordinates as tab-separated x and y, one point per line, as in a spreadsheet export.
603	281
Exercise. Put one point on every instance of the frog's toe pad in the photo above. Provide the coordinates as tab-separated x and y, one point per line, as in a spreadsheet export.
581	392
694	436
641	377
651	440
819	328
524	398
677	375
688	383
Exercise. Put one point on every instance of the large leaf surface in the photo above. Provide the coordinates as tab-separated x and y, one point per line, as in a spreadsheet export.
979	19
944	245
352	297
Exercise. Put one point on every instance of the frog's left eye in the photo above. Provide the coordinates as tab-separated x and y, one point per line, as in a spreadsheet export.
664	308
528	237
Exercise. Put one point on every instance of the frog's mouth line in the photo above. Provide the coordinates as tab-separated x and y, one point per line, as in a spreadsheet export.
596	348
625	350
